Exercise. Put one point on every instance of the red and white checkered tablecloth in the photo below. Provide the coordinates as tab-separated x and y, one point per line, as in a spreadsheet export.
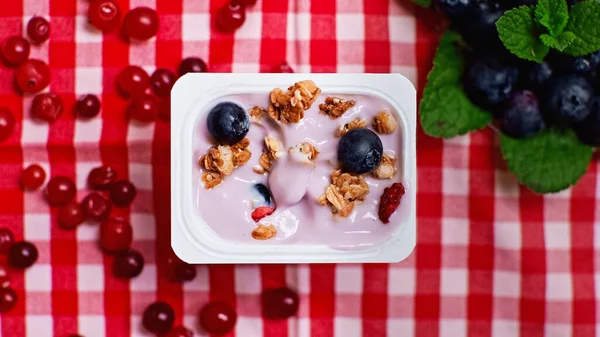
492	258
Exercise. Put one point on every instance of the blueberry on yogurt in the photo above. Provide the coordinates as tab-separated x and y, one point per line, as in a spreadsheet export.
228	123
359	151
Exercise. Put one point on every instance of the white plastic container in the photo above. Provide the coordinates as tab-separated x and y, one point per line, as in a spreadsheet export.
193	240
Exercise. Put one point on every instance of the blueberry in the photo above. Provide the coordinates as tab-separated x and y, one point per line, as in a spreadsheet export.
489	82
228	123
454	9
588	130
264	192
537	76
521	116
478	26
360	151
567	64
569	100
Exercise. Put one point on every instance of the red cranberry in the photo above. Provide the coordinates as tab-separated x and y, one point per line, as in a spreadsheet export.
70	216
60	191
8	299
164	109
7	238
192	65
133	80
140	23
158	317
184	272
4	277
96	207
284	67
32	76
33	177
244	2
7	123
104	14
88	106
230	18
128	264
279	303
144	108
15	50
22	255
101	177
217	318
162	81
180	331
38	29
46	107
115	235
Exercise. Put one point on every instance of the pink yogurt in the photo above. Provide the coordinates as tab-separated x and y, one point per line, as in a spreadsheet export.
299	219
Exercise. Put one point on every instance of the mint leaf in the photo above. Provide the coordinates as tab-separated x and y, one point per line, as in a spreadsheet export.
517	31
445	110
584	23
559	42
424	3
552	14
548	162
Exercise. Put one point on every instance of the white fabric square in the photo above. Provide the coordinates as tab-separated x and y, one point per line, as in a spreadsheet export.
350	27
348	279
247	279
196	27
38	325
39	278
33	132
90	277
85	32
455	231
37	227
559	286
507	284
347	327
89	325
403	29
455	181
144	226
140	176
507	235
504	328
454	281
403	326
88	80
252	27
453	327
140	132
248	326
557	235
401	281
88	131
146	281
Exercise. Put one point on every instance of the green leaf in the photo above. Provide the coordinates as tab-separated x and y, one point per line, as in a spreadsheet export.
548	162
584	23
424	3
552	14
447	112
445	109
560	42
517	31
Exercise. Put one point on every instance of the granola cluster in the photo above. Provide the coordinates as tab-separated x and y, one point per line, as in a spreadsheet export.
335	107
273	151
384	123
345	191
387	168
289	106
264	232
357	123
256	114
221	160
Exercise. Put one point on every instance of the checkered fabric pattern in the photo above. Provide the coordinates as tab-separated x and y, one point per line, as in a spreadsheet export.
492	258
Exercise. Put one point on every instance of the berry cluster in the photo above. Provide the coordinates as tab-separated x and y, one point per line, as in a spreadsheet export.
525	97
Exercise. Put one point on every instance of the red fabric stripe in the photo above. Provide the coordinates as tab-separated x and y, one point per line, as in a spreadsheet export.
220	55
481	234
323	37
61	155
375	300
11	165
222	286
583	203
533	264
115	56
273	276
322	300
427	256
377	35
274	31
